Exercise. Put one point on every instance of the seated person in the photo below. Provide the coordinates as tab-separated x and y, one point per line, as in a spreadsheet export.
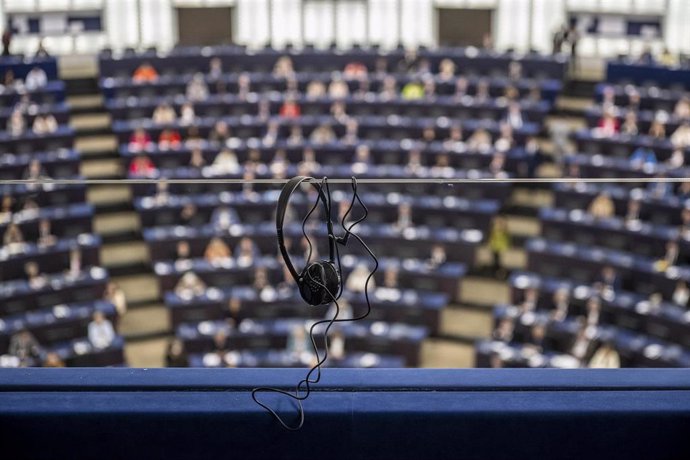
479	141
290	108
35	171
391	278
682	109
197	89
643	157
504	330
217	251
225	162
298	341
323	134
455	136
283	67
24	346
413	90
35	79
659	189
582	344
164	114
45	124
681	294
356	281
53	360
315	89
215	68
608	125
187	114
355	70
244	86
13	239
483	91
446	69
33	274
606	357
515	70
657	129
142	166
295	137
116	295
196	158
145	73
676	160
338	89
190	285
561	304
438	255
193	138
16	123
220	132
404	216
629	125
681	136
667	58
183	252
389	89
514	115
45	237
309	164
279	164
609	279
246	252
602	206
169	138
176	356
461	87
101	332
139	140
41	51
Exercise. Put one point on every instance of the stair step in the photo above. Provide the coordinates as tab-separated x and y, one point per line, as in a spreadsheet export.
101	168
139	287
96	143
146	354
129	253
151	320
90	122
446	353
105	224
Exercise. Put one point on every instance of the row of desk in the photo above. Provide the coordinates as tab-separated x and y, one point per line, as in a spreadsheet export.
651	98
56	163
174	86
647	74
385	241
584	264
622	145
459	213
450	107
362	336
639	237
59	323
66	221
390	305
662	210
412	273
368	127
236	59
29	142
53	92
624	309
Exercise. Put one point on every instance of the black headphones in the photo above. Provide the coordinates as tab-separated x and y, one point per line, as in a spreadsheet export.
319	282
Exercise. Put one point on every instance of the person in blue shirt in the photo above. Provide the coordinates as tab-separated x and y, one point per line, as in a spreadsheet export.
643	157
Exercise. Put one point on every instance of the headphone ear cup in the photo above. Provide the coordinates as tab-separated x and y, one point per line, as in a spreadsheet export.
319	283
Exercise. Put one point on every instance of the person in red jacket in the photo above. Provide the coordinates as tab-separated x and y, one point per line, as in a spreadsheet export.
290	108
168	139
139	140
608	125
142	166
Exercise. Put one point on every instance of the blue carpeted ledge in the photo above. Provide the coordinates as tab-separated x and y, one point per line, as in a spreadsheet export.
402	413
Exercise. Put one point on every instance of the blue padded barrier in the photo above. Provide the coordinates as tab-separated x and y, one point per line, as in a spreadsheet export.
353	414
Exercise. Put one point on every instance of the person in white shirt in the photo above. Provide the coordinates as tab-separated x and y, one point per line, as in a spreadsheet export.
197	89
606	357
36	78
681	137
101	332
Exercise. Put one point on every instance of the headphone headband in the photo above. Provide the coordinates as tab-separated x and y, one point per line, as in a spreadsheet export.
283	201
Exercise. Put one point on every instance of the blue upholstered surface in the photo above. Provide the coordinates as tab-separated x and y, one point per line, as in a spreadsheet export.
185	413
